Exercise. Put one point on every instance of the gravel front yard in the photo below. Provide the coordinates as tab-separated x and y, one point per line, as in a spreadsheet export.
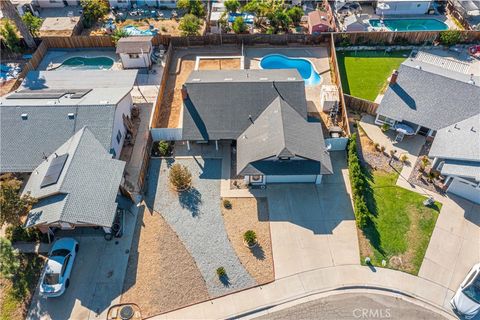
196	218
152	281
251	214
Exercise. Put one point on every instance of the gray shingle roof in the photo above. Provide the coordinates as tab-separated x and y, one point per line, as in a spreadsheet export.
466	169
220	102
430	100
87	187
460	141
134	44
280	131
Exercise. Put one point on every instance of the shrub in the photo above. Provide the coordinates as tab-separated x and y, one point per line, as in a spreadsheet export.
385	127
118	34
424	162
9	34
93	10
227	204
250	237
382	148
404	158
180	177
164	29
231	5
450	37
32	22
9	262
18	233
238	25
376	146
194	7
362	215
189	25
295	13
221	272
161	148
392	153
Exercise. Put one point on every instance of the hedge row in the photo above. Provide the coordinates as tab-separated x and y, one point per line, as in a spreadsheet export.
358	182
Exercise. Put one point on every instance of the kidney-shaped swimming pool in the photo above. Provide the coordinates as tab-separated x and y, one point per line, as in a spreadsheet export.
304	67
84	63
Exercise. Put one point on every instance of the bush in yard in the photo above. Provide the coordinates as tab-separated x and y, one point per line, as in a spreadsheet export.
93	10
9	262
32	22
19	233
362	214
250	237
238	25
221	272
10	36
295	13
12	204
376	145
385	127
404	158
118	34
161	148
189	25
382	148
450	37
194	7
180	177
231	5
227	204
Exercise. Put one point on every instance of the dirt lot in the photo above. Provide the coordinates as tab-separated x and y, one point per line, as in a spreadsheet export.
161	275
219	64
251	214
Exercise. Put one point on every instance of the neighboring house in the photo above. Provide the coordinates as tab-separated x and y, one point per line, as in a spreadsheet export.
216	14
319	21
76	186
355	22
403	7
263	112
467	11
50	106
428	97
135	52
55	3
456	154
142	3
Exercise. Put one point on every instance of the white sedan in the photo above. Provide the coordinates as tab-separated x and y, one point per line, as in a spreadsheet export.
56	277
466	300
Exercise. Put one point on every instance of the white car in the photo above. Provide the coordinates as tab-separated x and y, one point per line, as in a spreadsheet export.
56	277
466	300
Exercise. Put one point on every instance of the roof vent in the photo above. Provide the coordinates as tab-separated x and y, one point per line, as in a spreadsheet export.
473	129
228	79
418	67
24	116
71	115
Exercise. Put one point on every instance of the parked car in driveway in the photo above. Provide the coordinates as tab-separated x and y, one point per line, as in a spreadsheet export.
466	300
56	276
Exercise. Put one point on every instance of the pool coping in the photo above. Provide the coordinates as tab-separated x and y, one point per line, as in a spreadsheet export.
55	66
293	58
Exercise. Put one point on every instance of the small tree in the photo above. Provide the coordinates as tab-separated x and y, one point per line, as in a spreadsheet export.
162	148
10	36
12	204
279	20
118	34
194	7
295	13
180	177
450	37
221	272
189	25
238	25
9	262
231	5
93	10
32	22
404	158
227	204
250	238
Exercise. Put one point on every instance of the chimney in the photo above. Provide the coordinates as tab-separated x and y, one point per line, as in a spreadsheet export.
393	77
184	93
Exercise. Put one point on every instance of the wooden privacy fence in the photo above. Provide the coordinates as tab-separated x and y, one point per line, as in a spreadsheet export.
361	105
161	90
31	65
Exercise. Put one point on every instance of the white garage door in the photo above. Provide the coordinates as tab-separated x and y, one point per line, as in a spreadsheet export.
292	179
465	189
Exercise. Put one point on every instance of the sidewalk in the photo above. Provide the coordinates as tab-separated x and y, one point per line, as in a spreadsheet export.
313	282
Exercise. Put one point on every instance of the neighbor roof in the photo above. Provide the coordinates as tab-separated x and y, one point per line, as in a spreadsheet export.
280	131
428	99
134	44
318	17
221	103
460	141
86	189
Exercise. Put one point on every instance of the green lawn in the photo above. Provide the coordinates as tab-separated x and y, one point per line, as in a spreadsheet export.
365	73
401	226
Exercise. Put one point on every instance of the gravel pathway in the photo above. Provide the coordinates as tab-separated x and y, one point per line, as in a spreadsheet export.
196	218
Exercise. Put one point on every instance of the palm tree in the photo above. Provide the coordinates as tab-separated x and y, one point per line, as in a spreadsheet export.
11	13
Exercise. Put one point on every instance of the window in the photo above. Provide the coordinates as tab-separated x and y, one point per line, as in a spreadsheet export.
133	55
119	136
51	278
65	264
284	158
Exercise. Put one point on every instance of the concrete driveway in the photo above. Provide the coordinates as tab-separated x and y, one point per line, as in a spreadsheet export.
313	226
455	244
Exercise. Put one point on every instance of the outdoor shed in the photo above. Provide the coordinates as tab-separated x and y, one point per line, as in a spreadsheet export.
318	22
135	51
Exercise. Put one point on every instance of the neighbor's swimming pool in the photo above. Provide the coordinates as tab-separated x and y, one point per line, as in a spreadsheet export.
409	24
134	31
304	67
83	63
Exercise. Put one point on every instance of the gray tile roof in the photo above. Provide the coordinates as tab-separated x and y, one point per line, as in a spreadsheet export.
466	169
24	142
220	102
134	44
86	189
280	131
428	99
459	141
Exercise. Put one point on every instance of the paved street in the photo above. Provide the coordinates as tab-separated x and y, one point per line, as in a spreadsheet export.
355	306
313	226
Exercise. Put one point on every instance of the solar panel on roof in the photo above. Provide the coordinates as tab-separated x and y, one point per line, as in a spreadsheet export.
54	170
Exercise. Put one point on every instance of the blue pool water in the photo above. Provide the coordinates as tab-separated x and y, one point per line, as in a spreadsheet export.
81	63
304	67
134	31
410	24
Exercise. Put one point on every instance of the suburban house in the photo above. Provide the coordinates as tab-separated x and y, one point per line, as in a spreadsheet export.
76	186
403	7
50	106
135	52
456	154
467	11
319	21
54	3
142	3
355	22
428	97
263	113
